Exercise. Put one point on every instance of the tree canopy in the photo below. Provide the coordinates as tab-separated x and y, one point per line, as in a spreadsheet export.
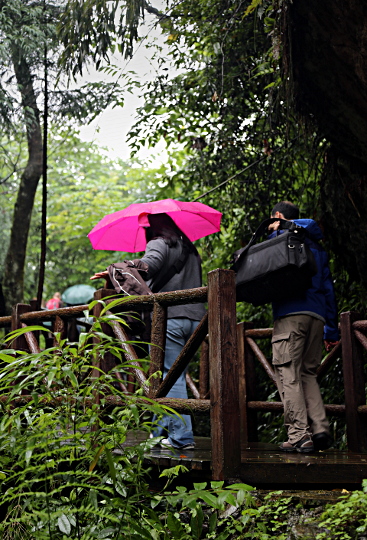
29	50
237	96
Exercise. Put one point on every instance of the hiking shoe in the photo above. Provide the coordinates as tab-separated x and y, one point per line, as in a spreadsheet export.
303	446
166	442
322	441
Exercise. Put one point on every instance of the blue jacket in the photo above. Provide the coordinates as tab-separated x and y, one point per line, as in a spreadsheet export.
320	297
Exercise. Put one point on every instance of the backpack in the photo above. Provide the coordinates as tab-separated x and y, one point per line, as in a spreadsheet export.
126	278
278	269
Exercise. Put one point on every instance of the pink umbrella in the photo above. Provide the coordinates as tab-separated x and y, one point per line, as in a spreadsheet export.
124	230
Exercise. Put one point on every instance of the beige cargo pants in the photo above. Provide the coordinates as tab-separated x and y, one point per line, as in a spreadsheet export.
297	352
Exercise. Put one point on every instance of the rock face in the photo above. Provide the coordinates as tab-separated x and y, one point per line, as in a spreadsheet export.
327	52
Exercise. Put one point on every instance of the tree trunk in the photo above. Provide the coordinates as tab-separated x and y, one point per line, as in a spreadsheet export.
13	281
327	55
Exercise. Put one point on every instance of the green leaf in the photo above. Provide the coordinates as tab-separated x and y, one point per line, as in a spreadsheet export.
216	484
210	499
72	377
64	524
143	532
7	358
200	486
108	532
96	458
50	375
230	499
111	464
245	487
213	520
21	331
174	525
196	522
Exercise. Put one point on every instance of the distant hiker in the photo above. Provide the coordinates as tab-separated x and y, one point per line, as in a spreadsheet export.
54	302
300	324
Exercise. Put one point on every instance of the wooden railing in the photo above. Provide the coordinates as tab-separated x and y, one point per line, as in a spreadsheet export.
218	370
227	387
349	348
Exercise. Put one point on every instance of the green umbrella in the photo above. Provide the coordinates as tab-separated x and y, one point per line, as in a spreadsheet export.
78	294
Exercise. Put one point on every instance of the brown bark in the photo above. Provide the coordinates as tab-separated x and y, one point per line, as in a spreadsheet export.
329	68
13	280
326	51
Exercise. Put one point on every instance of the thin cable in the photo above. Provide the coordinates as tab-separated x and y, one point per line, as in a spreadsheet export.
242	170
231	178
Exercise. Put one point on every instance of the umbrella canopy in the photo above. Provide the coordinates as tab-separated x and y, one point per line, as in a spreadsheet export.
125	230
78	294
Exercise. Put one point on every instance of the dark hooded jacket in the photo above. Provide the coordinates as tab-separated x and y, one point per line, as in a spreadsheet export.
319	299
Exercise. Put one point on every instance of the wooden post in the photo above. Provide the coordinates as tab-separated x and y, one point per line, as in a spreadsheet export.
224	409
204	370
108	361
250	381
354	390
247	386
19	343
99	364
158	340
59	326
34	307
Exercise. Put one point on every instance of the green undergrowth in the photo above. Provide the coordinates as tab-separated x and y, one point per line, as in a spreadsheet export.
68	470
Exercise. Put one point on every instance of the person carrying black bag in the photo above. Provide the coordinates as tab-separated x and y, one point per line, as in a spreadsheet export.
300	324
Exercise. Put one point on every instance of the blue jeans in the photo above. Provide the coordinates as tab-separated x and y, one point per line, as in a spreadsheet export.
179	430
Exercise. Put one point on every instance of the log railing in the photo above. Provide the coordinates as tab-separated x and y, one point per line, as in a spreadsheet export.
216	331
229	351
349	348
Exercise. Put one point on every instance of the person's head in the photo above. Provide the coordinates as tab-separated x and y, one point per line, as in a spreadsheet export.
57	295
163	226
285	210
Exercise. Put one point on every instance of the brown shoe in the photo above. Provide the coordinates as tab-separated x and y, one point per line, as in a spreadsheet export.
303	446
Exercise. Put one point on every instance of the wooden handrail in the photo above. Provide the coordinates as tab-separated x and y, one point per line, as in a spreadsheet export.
277	406
228	405
188	296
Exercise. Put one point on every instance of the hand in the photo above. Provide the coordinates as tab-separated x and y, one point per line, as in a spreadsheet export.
100	275
329	344
274	226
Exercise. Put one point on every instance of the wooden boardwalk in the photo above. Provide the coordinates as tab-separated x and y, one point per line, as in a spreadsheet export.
264	465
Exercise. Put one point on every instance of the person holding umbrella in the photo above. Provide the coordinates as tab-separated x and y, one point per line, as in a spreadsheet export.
166	245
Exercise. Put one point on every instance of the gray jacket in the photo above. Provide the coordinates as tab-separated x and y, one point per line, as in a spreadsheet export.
159	257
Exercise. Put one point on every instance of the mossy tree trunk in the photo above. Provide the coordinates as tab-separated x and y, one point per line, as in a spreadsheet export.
327	50
13	280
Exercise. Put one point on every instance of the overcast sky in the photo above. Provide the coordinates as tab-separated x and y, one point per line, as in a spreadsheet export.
111	127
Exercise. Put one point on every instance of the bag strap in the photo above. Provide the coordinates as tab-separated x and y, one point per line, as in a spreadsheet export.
264	226
174	269
260	231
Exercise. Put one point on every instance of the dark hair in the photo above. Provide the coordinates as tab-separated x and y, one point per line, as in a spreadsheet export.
163	226
288	209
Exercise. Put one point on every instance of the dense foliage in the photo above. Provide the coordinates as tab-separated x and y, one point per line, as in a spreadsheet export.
73	467
83	185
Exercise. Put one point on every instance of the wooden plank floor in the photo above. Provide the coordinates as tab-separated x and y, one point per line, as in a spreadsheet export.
264	464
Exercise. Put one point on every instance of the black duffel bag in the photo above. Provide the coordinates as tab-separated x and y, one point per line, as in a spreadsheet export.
274	270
